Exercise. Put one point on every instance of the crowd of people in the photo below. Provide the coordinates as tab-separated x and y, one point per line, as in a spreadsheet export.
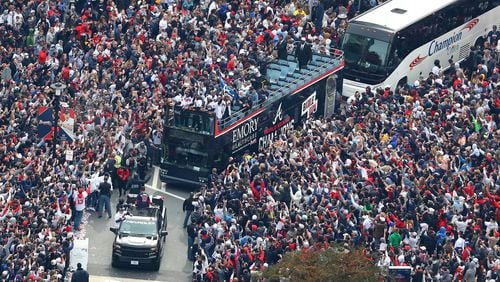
408	175
387	177
121	62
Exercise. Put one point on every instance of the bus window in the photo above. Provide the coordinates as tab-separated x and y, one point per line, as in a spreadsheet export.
365	54
187	153
198	121
398	52
219	159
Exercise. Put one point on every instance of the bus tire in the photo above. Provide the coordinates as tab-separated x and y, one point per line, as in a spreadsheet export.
402	82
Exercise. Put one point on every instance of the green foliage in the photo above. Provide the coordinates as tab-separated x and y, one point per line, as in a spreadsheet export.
330	265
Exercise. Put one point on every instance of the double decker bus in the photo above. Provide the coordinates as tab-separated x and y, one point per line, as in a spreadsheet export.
194	141
397	42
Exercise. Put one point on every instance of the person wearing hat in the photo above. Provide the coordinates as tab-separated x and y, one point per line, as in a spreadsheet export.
105	189
303	53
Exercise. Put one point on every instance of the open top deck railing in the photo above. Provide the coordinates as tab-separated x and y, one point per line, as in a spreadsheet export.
289	79
283	78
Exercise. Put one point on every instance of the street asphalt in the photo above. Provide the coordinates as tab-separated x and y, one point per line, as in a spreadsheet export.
174	266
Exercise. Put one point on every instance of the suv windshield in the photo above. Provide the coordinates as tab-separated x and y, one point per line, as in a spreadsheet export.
146	228
364	55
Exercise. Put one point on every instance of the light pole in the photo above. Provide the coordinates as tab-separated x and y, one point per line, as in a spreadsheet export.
58	88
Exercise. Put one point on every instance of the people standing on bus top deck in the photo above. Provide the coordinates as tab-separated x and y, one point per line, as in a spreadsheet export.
281	48
303	53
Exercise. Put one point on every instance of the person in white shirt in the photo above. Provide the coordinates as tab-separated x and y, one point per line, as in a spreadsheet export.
120	216
177	98
460	243
461	224
491	225
79	199
94	182
198	102
413	240
436	69
186	101
220	108
164	22
211	104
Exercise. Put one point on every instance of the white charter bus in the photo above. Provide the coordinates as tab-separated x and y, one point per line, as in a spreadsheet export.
398	41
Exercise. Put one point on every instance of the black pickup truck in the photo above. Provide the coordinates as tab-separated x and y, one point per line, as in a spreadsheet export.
140	236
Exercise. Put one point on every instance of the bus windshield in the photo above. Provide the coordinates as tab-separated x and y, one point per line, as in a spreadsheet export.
193	120
364	55
187	153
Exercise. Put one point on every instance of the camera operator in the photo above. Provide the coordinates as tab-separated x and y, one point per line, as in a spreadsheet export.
121	215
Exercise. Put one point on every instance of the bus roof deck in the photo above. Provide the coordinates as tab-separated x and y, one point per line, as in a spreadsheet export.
285	78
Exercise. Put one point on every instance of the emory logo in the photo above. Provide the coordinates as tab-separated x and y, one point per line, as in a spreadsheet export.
417	61
471	24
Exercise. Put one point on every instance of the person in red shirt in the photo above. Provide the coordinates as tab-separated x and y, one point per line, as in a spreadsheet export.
42	56
123	174
65	72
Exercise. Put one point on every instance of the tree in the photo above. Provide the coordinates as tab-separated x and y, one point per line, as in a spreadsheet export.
333	264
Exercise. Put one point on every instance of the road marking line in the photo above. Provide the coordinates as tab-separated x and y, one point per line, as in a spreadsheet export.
156	174
165	192
96	278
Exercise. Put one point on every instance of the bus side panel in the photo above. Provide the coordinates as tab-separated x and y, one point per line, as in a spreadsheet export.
443	48
260	131
454	44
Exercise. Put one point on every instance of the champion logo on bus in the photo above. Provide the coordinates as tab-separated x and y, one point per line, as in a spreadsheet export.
417	61
471	24
437	45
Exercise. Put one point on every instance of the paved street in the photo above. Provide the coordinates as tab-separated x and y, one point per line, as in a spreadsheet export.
175	266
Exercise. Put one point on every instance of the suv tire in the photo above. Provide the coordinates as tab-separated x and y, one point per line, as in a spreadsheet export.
156	265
